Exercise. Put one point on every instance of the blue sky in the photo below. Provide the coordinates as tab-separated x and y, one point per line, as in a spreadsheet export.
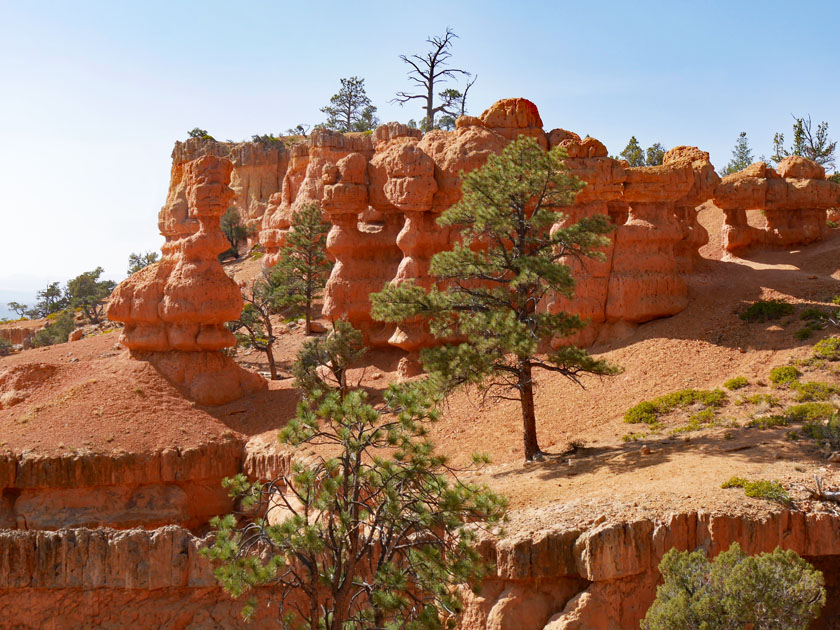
95	93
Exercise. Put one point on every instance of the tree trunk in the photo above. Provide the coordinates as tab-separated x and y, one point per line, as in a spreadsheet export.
430	102
529	419
272	366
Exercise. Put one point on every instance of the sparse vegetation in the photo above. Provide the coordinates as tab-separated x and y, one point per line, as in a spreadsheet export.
759	399
768	422
766	310
5	346
322	363
649	411
812	391
739	382
784	375
769	591
56	331
828	348
760	489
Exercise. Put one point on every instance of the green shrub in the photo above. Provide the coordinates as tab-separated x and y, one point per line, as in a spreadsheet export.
828	349
757	399
765	310
826	432
700	420
812	390
760	489
811	412
832	225
784	375
804	333
813	314
768	422
769	591
5	347
648	411
633	437
645	412
736	383
55	332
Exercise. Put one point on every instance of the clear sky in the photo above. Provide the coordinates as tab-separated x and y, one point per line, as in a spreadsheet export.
94	94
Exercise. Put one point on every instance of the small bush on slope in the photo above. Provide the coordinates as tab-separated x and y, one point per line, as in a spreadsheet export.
648	411
765	310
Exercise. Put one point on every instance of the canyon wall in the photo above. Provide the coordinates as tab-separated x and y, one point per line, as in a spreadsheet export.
600	578
604	577
383	191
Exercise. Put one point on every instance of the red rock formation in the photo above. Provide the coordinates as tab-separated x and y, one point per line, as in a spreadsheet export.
258	172
175	310
384	192
794	199
605	577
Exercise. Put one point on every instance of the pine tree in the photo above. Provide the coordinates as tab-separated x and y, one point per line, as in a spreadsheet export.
303	269
510	259
350	109
369	531
88	292
255	320
322	363
654	155
138	261
742	155
633	153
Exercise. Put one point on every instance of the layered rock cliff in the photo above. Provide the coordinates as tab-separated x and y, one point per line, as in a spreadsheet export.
794	199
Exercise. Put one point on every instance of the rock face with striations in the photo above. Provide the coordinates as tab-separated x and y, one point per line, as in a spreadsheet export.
384	192
175	310
258	172
794	198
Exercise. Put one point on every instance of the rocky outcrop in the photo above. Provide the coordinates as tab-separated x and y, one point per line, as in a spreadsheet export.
121	490
599	578
258	172
794	199
114	579
175	310
384	192
605	577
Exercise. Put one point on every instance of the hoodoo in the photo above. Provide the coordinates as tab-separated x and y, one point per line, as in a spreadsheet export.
175	311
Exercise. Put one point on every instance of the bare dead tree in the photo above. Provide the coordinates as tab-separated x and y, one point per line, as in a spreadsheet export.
430	70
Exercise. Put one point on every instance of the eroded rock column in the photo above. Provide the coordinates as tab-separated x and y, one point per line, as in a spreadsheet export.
175	310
